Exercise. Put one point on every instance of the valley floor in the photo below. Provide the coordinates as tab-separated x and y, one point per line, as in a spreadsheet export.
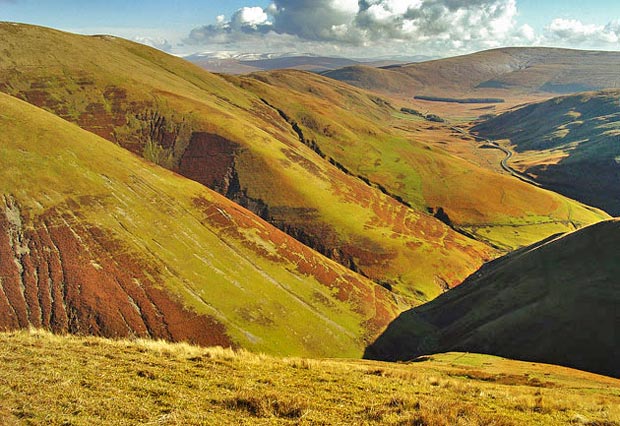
47	379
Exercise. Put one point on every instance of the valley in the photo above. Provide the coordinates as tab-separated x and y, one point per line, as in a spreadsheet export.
432	242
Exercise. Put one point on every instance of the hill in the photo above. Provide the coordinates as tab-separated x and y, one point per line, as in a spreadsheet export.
497	73
409	158
569	144
96	381
340	169
95	240
223	136
554	302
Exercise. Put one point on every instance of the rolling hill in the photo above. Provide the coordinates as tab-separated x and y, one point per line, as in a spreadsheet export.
94	240
499	73
200	125
554	302
569	144
404	156
94	381
340	169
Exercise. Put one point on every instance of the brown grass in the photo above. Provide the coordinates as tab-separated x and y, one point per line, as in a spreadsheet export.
47	379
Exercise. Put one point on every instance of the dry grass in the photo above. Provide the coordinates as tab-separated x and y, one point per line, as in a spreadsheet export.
49	379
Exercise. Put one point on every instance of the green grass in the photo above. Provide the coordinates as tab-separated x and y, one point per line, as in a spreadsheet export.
355	223
49	379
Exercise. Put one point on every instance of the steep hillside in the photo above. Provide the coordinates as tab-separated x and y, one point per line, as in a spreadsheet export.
91	381
94	240
367	137
556	302
218	134
569	144
499	72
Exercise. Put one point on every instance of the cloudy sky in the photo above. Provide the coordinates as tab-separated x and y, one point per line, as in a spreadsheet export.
354	28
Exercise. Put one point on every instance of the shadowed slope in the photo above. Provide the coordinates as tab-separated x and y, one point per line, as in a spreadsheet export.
554	302
94	240
570	144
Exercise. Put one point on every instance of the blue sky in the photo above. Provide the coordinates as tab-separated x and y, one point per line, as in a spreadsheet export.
345	27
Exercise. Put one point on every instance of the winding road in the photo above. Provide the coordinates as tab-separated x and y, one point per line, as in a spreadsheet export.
504	163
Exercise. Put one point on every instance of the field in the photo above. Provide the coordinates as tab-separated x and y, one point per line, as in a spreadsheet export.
49	379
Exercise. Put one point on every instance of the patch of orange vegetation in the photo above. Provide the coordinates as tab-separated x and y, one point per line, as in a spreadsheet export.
64	275
373	302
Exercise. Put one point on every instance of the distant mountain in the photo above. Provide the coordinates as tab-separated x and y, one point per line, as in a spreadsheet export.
569	144
230	63
554	302
498	72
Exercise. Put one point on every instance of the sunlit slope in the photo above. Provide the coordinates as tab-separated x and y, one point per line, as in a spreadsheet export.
499	72
556	302
97	241
79	380
569	144
369	138
227	138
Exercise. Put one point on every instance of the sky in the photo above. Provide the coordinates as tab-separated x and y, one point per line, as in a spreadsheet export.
352	28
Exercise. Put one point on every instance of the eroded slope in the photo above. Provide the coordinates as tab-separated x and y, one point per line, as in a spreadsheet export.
398	153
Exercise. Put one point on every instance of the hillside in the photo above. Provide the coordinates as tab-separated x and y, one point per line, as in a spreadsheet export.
555	302
90	381
416	161
225	137
498	73
95	240
569	144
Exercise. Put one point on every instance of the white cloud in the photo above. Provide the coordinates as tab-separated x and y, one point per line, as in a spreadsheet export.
390	27
157	43
574	32
251	17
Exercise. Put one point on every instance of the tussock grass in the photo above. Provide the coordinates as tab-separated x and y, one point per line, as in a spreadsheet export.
48	379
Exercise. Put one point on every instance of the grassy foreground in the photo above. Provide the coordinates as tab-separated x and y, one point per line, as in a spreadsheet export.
47	379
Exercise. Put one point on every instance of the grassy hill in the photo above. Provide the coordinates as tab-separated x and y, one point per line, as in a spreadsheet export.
497	73
369	138
95	240
91	381
225	137
570	144
554	302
